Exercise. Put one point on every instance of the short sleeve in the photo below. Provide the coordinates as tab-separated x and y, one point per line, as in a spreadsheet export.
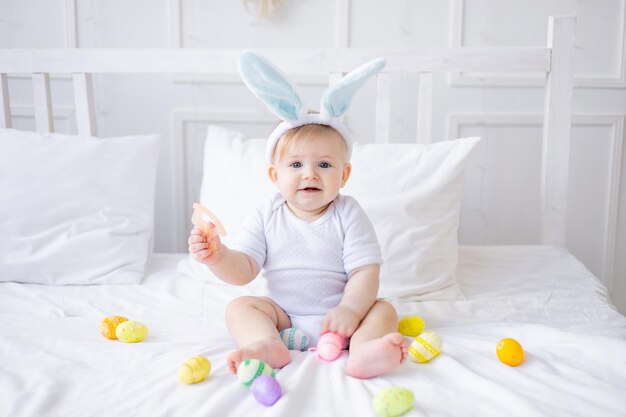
361	246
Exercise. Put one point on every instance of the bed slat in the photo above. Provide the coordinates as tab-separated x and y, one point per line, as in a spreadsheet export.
383	107
43	103
84	103
424	108
557	126
5	104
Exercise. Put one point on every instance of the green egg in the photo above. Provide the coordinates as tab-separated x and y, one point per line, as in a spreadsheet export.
393	402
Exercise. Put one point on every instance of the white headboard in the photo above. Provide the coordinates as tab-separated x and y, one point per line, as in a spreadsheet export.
556	60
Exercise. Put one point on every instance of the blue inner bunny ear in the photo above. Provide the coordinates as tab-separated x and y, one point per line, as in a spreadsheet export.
337	98
270	85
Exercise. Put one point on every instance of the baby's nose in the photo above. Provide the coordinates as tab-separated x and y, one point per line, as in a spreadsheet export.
310	172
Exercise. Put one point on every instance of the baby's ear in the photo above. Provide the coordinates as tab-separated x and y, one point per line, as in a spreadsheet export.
347	170
272	173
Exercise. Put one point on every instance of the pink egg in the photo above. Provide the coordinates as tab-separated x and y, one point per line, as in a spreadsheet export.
266	390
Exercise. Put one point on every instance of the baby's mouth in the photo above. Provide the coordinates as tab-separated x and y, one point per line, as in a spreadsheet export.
309	189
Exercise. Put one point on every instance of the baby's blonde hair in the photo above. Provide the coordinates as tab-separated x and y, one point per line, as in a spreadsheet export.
302	134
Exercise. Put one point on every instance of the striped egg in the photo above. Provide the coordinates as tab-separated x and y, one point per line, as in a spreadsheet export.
250	369
425	347
295	339
194	370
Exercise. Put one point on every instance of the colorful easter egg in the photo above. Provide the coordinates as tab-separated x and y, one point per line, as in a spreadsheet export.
250	369
295	339
425	347
109	325
510	352
131	331
266	390
194	370
411	326
393	401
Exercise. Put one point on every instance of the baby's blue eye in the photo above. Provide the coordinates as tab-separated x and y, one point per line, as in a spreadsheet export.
324	165
296	165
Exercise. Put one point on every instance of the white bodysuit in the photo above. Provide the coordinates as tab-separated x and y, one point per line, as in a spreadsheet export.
307	264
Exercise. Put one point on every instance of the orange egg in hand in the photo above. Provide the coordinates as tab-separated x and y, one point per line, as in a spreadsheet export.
510	352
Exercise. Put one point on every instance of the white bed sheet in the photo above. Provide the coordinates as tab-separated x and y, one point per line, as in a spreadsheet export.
53	362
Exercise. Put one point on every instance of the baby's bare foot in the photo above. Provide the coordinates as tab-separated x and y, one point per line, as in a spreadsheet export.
272	352
376	357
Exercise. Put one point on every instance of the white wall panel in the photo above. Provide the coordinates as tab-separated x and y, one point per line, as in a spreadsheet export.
600	35
123	24
32	24
226	24
399	23
501	197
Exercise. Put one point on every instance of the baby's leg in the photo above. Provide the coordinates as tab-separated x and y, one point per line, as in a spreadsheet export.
253	322
376	347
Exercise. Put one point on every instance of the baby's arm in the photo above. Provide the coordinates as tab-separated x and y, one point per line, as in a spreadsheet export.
359	296
228	265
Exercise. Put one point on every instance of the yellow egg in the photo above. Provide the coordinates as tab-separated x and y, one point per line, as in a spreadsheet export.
393	401
510	352
425	347
194	370
411	326
131	331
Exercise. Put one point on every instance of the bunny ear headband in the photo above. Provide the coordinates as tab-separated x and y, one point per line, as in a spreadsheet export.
271	86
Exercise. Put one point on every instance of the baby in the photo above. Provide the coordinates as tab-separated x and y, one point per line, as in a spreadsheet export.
321	260
317	247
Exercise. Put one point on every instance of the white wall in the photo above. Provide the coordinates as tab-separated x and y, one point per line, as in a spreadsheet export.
501	203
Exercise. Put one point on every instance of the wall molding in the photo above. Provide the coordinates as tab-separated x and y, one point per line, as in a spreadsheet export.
616	146
457	79
180	118
176	24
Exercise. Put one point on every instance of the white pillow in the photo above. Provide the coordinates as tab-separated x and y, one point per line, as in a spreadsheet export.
76	210
412	194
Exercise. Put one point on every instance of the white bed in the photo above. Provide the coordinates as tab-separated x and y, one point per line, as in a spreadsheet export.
54	362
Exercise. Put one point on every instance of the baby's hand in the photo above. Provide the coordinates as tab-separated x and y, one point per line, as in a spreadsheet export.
203	249
341	320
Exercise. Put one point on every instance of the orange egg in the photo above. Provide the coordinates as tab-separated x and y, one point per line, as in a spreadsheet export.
510	352
109	324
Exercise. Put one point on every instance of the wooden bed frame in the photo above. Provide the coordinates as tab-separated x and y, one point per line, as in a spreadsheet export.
556	60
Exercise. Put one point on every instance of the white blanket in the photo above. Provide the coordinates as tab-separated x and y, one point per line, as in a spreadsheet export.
54	362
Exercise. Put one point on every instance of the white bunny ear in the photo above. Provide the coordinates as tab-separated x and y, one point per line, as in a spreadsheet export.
270	85
337	98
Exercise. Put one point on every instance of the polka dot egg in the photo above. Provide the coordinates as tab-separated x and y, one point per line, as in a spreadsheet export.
131	331
393	401
425	347
250	369
109	325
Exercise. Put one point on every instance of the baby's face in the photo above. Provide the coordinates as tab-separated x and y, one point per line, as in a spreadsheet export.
310	173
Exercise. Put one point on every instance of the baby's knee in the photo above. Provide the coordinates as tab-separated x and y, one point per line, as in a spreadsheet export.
241	303
385	309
